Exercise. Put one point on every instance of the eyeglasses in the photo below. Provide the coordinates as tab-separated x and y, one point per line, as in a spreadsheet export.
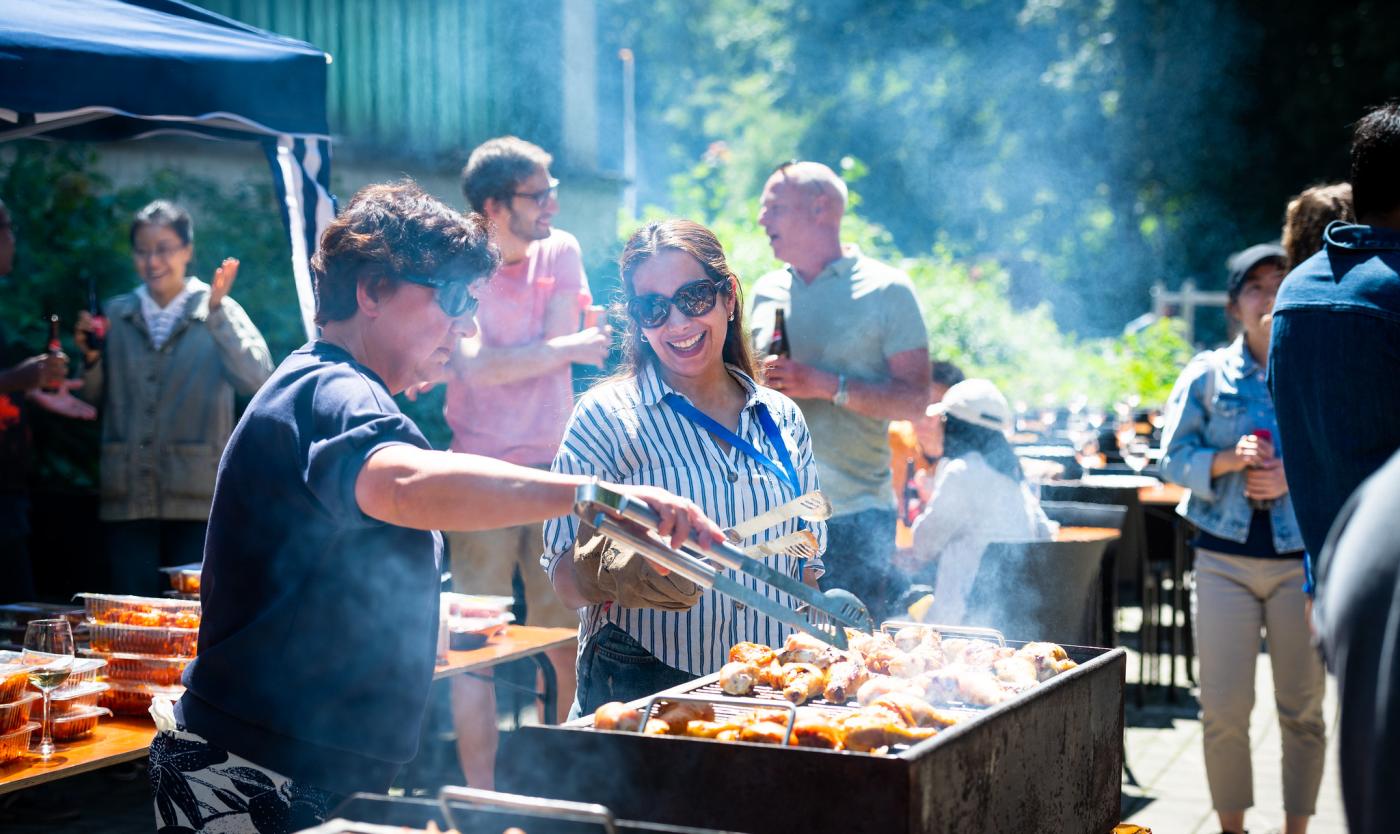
454	295
694	299
162	252
543	196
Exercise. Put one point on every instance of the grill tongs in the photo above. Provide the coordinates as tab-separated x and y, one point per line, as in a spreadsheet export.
632	524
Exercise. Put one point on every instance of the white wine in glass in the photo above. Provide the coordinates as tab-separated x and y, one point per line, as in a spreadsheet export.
48	643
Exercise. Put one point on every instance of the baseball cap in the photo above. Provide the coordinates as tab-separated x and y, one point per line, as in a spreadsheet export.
976	401
1240	263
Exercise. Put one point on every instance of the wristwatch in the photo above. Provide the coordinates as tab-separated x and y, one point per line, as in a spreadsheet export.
842	395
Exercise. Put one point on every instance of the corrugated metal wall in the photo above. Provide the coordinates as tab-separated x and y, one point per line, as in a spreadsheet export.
428	78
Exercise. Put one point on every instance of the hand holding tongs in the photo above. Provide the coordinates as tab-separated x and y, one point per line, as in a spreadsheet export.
632	524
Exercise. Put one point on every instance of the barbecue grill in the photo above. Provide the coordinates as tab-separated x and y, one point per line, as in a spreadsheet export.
1048	760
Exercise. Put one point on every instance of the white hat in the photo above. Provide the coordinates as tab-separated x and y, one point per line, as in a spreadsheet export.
976	401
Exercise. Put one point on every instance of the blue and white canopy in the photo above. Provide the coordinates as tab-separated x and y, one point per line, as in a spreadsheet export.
106	70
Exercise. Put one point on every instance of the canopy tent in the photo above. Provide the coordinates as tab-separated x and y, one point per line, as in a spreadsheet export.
105	70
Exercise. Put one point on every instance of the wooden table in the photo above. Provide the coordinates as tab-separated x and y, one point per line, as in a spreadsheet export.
123	738
1162	495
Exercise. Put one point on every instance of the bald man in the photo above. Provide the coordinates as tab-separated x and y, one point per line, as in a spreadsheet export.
859	360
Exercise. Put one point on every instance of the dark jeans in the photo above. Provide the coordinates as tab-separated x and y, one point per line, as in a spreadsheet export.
137	550
860	558
615	667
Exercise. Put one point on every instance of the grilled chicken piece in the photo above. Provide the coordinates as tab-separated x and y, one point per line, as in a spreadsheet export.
657	727
616	715
913	711
979	688
884	658
710	729
755	653
731	734
928	657
878	685
843	680
1049	658
764	732
1017	671
802	682
678	714
813	728
911	637
983	654
872	728
738	677
801	647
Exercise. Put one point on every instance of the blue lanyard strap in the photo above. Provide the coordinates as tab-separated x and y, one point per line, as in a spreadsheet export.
787	473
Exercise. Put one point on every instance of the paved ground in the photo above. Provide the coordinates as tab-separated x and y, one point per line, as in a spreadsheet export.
1164	753
1163	749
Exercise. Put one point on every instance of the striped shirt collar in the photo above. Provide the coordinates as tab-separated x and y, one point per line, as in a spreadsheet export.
653	388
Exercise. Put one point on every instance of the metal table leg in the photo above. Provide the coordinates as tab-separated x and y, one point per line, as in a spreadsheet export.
549	698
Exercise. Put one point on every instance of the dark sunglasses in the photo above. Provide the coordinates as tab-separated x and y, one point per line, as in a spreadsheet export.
541	197
694	299
454	295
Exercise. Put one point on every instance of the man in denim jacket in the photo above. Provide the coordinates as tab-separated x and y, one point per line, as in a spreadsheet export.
1218	442
1335	358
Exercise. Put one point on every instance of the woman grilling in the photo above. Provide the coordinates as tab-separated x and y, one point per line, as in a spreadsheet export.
321	574
684	413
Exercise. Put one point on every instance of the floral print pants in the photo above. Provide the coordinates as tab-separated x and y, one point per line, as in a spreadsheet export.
202	789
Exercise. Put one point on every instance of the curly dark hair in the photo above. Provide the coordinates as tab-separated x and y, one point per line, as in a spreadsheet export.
395	229
1375	162
497	167
701	244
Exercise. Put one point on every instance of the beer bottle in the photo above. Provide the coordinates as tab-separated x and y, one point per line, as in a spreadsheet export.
779	346
909	501
55	350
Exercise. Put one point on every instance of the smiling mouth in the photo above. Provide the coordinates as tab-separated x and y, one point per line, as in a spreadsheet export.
688	347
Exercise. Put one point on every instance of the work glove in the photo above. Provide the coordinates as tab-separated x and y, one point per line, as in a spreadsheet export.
606	572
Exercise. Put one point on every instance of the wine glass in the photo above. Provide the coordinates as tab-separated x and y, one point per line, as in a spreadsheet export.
1135	455
48	643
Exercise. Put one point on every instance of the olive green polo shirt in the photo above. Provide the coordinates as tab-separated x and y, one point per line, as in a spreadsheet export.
850	320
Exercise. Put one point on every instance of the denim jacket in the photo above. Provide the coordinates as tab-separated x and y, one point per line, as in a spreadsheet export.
1219	397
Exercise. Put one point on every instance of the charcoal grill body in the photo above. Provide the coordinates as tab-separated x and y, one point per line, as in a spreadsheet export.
1047	761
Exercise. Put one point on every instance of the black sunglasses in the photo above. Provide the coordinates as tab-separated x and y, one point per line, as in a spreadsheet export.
454	295
694	299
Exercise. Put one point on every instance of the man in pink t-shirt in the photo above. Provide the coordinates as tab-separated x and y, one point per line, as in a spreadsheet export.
509	395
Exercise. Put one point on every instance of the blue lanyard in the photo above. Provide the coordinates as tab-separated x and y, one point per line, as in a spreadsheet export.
788	473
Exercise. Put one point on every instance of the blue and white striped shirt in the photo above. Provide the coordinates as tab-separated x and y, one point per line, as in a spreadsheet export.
624	432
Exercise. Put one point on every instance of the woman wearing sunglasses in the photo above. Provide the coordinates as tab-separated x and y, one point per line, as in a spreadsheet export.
322	568
684	413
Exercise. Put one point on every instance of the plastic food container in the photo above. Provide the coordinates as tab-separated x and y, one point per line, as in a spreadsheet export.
76	724
15	743
76	699
114	609
161	671
84	669
131	639
475	605
132	698
15	713
184	579
14	678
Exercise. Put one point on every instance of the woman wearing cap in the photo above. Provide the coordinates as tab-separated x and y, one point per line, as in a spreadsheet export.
684	413
979	496
1219	443
322	569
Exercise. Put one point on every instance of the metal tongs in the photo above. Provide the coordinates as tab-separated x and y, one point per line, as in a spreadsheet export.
632	524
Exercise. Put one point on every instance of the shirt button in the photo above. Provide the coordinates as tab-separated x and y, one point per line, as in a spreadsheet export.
733	477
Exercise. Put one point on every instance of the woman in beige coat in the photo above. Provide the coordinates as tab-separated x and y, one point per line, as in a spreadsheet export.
176	351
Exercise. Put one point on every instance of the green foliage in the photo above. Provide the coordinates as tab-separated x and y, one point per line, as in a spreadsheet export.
966	305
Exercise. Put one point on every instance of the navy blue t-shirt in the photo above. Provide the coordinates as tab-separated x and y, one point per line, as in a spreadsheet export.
318	640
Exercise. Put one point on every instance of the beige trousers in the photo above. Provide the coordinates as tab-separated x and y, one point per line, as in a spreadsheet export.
1234	598
484	562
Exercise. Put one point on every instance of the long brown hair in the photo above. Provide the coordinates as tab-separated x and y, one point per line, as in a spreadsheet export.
1308	215
701	244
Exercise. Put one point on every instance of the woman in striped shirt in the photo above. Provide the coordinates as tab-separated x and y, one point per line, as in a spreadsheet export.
687	367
